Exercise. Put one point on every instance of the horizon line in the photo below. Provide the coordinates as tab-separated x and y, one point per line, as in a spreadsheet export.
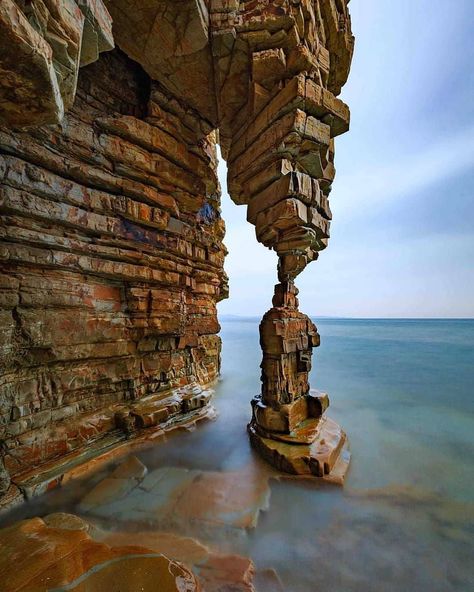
352	318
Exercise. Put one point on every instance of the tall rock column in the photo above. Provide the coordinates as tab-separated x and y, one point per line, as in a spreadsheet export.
288	425
279	66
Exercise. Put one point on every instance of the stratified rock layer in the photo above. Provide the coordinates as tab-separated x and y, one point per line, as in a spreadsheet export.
111	255
58	553
42	45
111	266
288	61
121	539
289	427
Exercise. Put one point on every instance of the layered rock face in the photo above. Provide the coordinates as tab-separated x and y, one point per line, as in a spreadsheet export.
288	425
281	143
42	45
112	256
111	267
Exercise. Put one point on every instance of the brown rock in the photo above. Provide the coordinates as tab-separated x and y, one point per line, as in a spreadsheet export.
66	521
37	557
171	41
174	496
288	426
111	254
131	468
119	281
317	403
216	572
4	479
326	457
41	49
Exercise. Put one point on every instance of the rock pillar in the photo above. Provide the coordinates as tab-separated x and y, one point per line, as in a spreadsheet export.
287	338
279	67
288	425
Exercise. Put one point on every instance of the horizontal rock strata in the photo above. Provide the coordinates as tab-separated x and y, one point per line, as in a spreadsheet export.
42	45
111	254
111	264
289	427
58	553
83	551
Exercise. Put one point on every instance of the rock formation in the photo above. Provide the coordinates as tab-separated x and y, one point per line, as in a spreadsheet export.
111	254
58	553
288	427
121	538
42	45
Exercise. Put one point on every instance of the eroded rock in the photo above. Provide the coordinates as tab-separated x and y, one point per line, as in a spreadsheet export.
111	256
179	497
215	571
42	46
288	427
111	267
37	556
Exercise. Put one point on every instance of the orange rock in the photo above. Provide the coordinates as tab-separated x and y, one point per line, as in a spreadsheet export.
112	242
229	572
38	557
327	457
178	496
215	572
288	425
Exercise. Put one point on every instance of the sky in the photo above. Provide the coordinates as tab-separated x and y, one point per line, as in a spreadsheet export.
402	239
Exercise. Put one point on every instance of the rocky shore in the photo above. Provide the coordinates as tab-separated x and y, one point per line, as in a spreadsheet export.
112	253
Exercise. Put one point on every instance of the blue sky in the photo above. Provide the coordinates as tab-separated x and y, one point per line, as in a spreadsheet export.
402	240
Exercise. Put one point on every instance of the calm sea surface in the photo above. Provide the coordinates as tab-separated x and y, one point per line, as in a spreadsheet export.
404	392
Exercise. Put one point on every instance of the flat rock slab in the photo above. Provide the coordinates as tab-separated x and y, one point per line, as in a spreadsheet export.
216	572
179	497
327	457
37	557
65	552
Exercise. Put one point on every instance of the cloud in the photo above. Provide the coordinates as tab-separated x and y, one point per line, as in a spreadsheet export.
379	184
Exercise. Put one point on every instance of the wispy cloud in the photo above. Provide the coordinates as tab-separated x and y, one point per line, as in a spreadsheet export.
404	177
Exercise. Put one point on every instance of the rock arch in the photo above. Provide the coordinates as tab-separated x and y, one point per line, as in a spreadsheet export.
112	254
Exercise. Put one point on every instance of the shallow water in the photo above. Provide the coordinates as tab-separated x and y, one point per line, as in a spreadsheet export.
403	391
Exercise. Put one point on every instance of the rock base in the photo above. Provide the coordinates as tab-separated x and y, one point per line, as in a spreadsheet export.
60	554
138	426
327	457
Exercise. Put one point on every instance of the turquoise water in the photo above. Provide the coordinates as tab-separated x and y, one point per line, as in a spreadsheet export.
403	391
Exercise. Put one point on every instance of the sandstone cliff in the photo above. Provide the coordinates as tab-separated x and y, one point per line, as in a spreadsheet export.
112	257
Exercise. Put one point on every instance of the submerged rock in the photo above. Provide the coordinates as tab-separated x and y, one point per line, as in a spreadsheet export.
65	552
215	571
181	498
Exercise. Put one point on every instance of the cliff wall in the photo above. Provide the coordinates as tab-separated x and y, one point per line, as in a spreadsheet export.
111	265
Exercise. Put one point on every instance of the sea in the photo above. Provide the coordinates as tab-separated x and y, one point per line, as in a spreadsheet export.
403	390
